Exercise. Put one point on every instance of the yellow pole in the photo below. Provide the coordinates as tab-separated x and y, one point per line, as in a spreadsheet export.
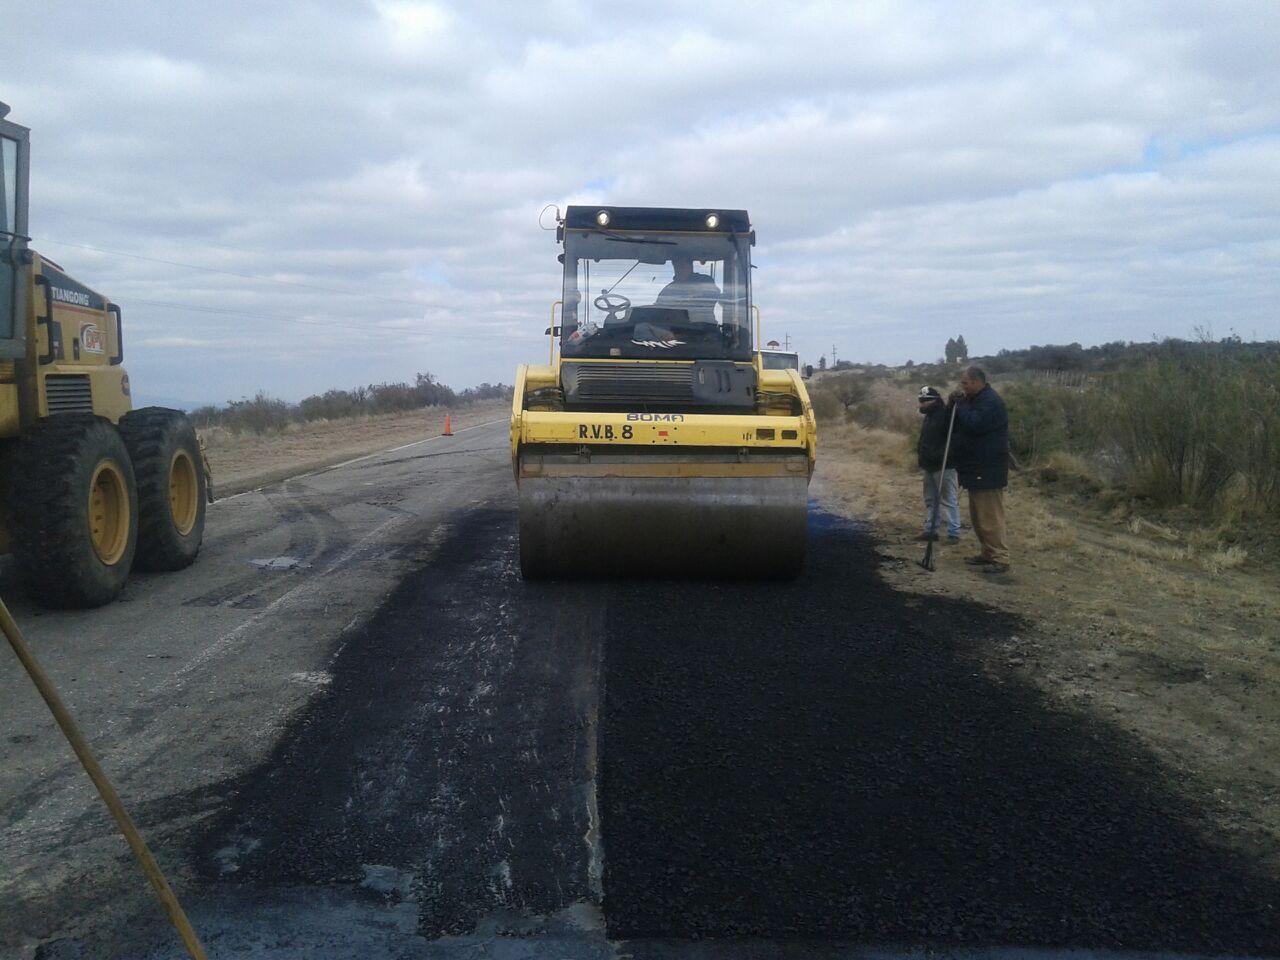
552	330
105	790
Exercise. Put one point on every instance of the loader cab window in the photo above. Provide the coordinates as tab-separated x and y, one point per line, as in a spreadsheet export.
8	230
8	185
652	295
779	360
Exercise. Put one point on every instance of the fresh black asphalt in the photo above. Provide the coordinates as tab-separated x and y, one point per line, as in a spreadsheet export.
828	761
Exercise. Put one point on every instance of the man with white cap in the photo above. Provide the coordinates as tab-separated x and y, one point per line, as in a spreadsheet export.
939	478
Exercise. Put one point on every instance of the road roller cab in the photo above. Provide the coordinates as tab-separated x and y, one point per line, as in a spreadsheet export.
89	487
655	441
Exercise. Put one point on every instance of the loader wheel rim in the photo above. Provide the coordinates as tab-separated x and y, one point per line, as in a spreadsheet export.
109	513
184	492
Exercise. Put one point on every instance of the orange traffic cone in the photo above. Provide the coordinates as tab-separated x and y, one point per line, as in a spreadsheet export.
448	428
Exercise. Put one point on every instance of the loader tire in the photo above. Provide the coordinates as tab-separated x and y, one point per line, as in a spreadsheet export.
72	505
171	487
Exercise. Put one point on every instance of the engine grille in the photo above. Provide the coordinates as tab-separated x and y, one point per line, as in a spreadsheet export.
68	393
631	383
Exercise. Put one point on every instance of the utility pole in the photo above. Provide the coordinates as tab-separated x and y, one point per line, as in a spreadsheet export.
833	355
787	341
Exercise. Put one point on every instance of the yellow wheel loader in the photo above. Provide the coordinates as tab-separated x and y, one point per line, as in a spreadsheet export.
655	441
90	488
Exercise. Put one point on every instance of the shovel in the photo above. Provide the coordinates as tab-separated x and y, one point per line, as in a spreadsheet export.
927	562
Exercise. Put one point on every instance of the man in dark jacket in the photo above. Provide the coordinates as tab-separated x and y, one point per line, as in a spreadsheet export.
982	460
929	453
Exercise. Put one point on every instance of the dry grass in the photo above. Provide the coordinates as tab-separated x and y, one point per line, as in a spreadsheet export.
1039	528
1067	465
1207	547
872	474
1224	558
1140	525
890	405
866	473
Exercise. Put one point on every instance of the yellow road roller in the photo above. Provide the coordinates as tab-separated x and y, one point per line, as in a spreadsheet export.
655	442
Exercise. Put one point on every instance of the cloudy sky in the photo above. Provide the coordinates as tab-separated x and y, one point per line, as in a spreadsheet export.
299	196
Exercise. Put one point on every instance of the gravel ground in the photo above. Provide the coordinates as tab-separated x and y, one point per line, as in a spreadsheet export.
830	759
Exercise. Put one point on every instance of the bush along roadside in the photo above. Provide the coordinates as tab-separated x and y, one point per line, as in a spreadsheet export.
266	414
1199	429
1184	425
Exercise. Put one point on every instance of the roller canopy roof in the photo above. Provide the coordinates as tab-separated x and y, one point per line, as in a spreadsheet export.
658	218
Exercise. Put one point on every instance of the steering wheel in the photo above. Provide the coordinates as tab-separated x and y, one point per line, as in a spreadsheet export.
612	303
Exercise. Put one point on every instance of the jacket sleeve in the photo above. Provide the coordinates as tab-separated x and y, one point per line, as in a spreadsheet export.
985	416
932	438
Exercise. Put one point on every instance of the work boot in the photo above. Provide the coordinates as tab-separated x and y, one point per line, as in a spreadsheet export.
993	567
978	561
953	539
927	537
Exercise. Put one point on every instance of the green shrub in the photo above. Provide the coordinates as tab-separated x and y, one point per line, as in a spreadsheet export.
332	405
834	395
850	389
1191	423
881	415
1036	428
1260	436
825	405
1047	418
264	414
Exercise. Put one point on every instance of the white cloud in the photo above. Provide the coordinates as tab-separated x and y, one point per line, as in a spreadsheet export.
414	27
175	342
1016	173
143	76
